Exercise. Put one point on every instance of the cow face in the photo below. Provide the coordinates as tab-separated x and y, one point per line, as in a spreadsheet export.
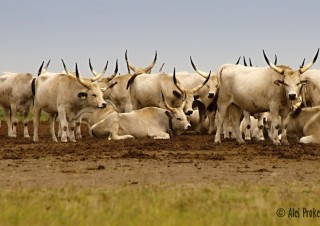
290	82
291	79
179	120
93	97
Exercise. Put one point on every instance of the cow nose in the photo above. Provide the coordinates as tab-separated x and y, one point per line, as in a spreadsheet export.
211	95
189	112
103	105
189	127
264	121
292	96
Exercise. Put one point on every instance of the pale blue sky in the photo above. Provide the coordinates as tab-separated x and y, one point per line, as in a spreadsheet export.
212	32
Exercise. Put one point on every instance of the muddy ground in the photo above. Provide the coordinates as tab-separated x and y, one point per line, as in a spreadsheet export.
182	160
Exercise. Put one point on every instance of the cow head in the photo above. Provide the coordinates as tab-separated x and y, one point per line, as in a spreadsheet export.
291	79
104	83
92	95
212	84
187	94
178	119
139	70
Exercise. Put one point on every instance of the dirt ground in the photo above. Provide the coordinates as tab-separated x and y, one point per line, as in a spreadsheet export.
184	159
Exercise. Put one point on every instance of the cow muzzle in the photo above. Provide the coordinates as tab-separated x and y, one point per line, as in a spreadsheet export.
188	127
189	112
292	96
211	95
103	105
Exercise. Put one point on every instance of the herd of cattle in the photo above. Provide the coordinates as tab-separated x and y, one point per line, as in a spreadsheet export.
239	101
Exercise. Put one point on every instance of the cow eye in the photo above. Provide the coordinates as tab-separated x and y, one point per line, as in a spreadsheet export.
179	119
94	95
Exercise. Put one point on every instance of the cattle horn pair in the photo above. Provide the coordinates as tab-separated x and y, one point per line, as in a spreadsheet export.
301	70
145	70
96	75
43	69
182	89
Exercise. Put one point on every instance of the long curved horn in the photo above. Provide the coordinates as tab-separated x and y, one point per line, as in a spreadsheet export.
165	103
250	63
80	80
304	69
148	69
238	60
65	67
97	76
114	73
275	59
195	89
133	68
302	65
40	69
274	67
244	61
177	83
195	68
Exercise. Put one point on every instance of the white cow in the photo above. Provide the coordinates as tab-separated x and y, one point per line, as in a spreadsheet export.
145	91
153	122
17	96
305	125
66	96
257	89
115	85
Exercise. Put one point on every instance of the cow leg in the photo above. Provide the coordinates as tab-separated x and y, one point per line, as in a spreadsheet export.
78	128
36	120
202	116
71	135
52	121
14	121
7	116
162	136
236	115
221	115
211	117
248	125
260	126
275	125
284	123
25	113
64	124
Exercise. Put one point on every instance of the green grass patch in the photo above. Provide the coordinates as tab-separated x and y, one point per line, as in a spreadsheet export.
158	205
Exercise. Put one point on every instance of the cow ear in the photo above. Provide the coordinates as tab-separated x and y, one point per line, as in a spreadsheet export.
169	114
82	95
196	97
176	94
278	82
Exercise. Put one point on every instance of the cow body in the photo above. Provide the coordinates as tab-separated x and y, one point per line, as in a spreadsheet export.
66	96
16	96
149	122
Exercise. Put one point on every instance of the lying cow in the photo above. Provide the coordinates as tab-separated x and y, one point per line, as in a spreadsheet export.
304	125
153	122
